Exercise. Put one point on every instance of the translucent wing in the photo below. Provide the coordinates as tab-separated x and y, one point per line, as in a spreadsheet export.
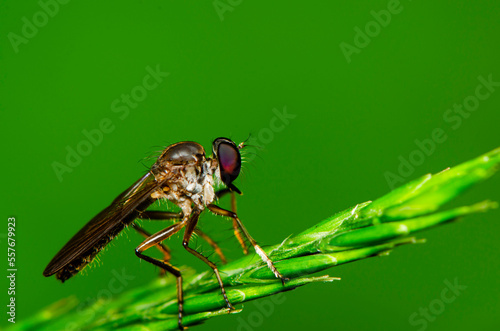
107	223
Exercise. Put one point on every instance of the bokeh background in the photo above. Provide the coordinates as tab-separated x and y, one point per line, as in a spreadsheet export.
233	65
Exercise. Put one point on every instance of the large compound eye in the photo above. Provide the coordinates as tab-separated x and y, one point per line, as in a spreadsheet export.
229	158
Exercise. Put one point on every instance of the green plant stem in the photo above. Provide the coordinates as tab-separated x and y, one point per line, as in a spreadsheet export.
365	230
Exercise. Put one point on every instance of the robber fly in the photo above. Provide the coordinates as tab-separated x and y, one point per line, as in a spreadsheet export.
183	175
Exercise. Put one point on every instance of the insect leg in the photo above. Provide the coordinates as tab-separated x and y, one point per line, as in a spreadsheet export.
154	240
164	215
212	243
223	212
191	225
159	215
161	247
237	233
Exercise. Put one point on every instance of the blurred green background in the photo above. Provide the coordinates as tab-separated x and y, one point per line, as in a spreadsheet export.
233	65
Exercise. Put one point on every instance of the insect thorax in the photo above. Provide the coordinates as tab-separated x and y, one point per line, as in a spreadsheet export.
187	184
